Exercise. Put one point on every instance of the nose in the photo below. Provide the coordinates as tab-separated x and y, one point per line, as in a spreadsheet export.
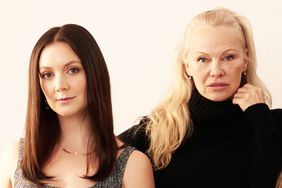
62	83
216	69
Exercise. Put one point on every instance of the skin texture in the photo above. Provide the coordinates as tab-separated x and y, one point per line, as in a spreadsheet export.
216	61
62	79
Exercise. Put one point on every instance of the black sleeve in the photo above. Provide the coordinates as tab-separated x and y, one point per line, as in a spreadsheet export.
266	148
136	136
277	114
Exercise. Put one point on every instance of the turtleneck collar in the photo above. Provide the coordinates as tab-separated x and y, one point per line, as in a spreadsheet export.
202	108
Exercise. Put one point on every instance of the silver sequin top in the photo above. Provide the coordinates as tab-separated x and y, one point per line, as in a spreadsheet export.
113	181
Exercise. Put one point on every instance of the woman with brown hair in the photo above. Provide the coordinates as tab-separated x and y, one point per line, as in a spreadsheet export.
69	139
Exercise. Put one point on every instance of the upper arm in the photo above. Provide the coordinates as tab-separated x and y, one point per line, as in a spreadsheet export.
130	136
136	136
266	151
8	163
138	172
277	114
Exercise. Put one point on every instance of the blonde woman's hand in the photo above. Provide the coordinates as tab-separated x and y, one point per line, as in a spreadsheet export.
248	95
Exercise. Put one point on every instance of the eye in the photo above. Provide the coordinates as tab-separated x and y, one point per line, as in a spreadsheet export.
73	70
229	58
46	75
202	59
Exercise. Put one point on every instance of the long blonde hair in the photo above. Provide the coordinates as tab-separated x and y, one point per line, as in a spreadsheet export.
170	122
279	181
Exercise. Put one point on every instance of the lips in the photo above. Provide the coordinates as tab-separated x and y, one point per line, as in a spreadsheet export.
63	99
217	84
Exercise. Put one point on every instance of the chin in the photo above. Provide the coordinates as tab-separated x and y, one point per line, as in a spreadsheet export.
64	114
219	98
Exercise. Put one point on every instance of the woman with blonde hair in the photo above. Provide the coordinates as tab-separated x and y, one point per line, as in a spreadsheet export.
215	128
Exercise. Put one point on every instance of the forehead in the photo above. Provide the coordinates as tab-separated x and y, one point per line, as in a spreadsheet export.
208	38
57	54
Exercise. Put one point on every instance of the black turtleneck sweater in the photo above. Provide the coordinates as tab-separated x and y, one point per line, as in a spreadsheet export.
228	148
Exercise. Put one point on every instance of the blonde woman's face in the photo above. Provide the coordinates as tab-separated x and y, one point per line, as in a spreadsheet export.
216	61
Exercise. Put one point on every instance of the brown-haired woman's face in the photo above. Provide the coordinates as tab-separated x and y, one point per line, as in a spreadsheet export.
63	79
216	61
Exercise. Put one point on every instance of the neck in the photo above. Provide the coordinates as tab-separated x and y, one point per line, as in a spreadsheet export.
206	109
75	133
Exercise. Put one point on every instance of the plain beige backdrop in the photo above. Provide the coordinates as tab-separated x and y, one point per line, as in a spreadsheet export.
138	39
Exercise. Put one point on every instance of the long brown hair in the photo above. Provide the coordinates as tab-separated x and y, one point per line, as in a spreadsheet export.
42	130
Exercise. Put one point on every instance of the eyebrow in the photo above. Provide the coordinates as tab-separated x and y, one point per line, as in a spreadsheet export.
200	52
66	65
230	50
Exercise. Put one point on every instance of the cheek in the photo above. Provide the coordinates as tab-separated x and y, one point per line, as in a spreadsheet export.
46	89
199	76
199	84
79	83
83	90
192	69
199	73
236	76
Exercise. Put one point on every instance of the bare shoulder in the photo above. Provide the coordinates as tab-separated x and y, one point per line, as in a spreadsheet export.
138	171
138	158
8	163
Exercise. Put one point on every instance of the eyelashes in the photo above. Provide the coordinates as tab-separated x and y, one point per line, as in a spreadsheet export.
229	58
203	59
73	70
45	75
49	74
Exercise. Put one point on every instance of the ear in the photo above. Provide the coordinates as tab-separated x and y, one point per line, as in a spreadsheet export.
188	72
246	61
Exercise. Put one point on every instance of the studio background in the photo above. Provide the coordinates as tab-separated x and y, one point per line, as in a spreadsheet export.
139	41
